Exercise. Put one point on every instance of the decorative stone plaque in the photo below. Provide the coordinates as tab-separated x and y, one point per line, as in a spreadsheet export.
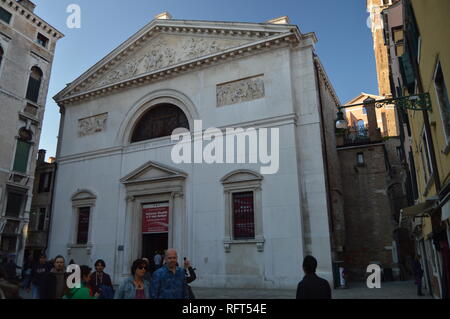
240	91
92	125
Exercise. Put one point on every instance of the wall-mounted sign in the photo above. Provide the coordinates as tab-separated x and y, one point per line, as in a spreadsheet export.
155	218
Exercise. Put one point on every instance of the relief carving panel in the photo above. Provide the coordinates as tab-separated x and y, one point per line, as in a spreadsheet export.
240	91
92	125
164	51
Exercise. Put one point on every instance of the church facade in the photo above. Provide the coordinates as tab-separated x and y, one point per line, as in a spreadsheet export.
119	194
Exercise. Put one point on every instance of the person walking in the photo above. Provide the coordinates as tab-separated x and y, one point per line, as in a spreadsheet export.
26	273
11	269
169	281
190	277
55	282
312	286
418	274
100	282
84	291
38	273
135	287
8	289
148	273
157	260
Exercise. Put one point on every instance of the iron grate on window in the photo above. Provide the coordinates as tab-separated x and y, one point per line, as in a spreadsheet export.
243	216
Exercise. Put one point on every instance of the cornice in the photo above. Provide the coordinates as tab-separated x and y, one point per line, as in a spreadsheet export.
264	41
326	80
251	31
33	18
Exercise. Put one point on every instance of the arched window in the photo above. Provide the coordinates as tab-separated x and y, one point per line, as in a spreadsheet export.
361	128
22	150
34	84
159	121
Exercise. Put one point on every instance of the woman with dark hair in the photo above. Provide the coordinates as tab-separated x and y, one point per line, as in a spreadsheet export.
135	287
84	291
100	282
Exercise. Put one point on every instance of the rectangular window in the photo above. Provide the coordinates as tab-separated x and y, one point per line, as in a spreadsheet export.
33	220
45	182
8	244
83	225
41	220
5	15
444	102
360	159
425	153
243	216
14	205
364	110
21	158
11	228
42	40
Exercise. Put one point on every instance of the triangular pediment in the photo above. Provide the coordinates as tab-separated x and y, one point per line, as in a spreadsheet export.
151	172
363	96
166	44
165	50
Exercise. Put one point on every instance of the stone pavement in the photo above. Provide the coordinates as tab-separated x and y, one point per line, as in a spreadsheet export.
388	290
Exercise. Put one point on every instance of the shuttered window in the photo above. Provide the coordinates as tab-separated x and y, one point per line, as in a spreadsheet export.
83	225
243	216
34	84
5	15
21	158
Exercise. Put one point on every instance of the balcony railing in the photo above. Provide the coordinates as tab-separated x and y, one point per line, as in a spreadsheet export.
356	135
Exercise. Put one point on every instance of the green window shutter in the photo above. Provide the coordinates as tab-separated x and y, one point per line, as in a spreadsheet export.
21	158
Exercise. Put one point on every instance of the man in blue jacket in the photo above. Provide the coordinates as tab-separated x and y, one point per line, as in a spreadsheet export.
169	281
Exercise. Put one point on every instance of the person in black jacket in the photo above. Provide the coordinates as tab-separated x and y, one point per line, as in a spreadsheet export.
55	282
312	286
38	272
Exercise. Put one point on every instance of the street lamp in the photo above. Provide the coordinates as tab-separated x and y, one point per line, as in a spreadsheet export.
341	122
420	102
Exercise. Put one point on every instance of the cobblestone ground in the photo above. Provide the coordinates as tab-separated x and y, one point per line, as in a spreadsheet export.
388	290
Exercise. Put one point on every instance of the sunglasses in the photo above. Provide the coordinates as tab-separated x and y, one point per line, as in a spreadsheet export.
142	267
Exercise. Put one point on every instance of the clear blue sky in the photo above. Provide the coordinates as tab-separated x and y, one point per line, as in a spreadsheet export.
345	44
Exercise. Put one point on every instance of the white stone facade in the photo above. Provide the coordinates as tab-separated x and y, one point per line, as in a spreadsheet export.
275	85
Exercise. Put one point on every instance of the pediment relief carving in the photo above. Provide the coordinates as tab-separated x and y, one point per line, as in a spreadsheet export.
163	51
152	172
83	195
241	176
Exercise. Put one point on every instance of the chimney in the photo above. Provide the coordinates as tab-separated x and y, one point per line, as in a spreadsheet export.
374	131
27	4
41	156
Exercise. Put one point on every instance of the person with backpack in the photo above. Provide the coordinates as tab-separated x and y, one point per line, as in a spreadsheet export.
100	282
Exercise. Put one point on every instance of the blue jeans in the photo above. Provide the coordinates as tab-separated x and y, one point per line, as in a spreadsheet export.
35	292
